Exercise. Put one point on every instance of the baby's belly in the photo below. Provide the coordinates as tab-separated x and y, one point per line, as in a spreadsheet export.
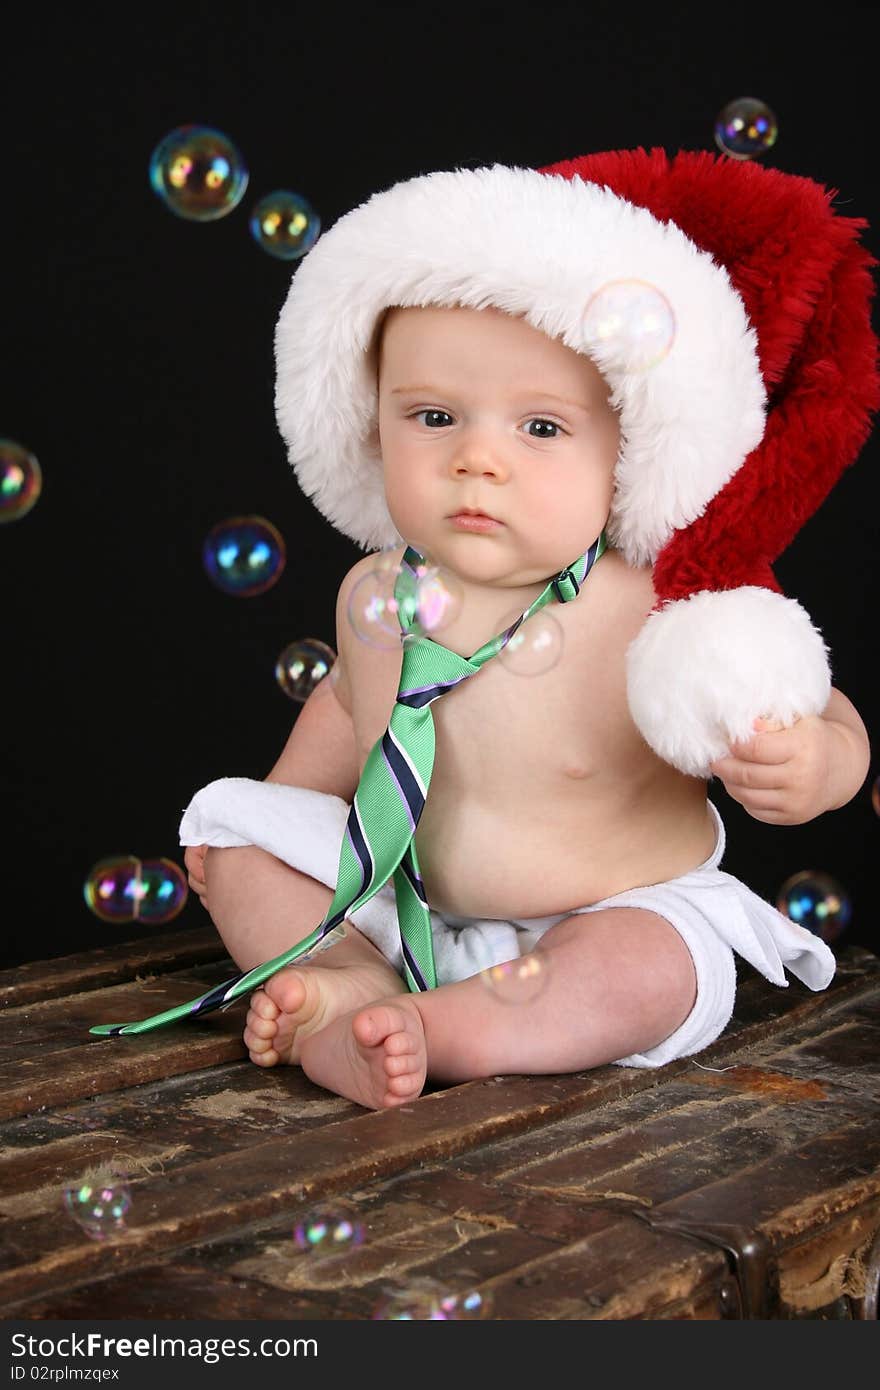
531	860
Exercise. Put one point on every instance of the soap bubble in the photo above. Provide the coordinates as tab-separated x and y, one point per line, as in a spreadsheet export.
518	981
284	224
433	598
535	647
469	1306
428	596
303	665
99	1208
198	173
162	893
244	556
329	1229
745	128
124	888
815	901
112	888
21	480
372	607
427	1300
629	323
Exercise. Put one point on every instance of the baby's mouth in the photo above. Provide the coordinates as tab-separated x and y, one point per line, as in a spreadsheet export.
474	521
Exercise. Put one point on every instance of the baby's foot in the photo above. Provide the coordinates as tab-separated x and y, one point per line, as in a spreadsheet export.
301	999
376	1056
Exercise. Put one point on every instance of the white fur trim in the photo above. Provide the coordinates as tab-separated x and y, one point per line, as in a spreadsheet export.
702	668
538	245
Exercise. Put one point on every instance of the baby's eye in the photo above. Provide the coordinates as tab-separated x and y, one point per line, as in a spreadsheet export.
551	424
429	412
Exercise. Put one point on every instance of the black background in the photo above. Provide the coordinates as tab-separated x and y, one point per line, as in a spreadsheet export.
138	368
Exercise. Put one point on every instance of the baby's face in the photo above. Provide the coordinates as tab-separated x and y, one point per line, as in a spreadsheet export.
479	409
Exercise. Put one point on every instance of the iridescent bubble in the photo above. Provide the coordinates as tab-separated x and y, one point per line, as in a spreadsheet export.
427	1300
21	480
329	1229
244	556
434	597
815	901
285	224
875	795
198	173
629	323
162	891
745	128
372	607
470	1306
303	665
518	981
99	1208
535	647
123	888
113	888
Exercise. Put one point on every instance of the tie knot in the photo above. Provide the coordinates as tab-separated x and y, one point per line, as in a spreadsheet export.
565	586
429	670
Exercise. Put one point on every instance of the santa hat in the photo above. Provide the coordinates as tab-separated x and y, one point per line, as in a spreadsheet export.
728	443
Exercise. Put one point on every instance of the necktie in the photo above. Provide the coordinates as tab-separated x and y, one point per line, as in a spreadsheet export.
379	839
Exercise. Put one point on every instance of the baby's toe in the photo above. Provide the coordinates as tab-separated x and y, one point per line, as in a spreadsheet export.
402	1044
398	1066
262	1005
374	1025
259	1026
265	1059
404	1086
255	1042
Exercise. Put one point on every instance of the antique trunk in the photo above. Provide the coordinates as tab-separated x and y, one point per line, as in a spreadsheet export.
742	1184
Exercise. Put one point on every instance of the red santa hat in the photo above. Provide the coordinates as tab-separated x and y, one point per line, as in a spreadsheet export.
728	443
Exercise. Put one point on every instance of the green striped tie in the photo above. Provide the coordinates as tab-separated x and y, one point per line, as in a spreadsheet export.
379	837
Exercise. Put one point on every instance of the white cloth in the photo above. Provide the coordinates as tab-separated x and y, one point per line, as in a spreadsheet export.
714	913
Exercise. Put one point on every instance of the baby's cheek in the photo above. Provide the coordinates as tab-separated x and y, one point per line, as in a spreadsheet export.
410	505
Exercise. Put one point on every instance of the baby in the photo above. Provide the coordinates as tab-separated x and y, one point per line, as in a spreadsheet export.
552	826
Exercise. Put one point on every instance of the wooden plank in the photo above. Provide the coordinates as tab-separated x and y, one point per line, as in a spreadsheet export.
238	1188
614	1135
650	1159
156	1128
827	1263
765	1011
39	1067
181	1289
109	965
463	1234
617	1154
50	1057
847	1050
819	1236
406	1239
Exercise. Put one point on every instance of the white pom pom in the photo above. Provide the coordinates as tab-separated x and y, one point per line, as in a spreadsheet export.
703	668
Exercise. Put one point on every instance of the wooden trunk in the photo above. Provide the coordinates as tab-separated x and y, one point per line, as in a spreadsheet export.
742	1184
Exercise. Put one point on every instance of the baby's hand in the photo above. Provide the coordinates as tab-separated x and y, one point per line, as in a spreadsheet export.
194	859
780	775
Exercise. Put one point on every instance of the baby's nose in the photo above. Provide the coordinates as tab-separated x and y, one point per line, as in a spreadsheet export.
480	458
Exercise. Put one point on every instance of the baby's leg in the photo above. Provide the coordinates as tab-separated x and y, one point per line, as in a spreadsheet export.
617	982
261	907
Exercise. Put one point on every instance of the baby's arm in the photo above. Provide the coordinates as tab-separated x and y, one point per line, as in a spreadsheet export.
320	752
789	776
